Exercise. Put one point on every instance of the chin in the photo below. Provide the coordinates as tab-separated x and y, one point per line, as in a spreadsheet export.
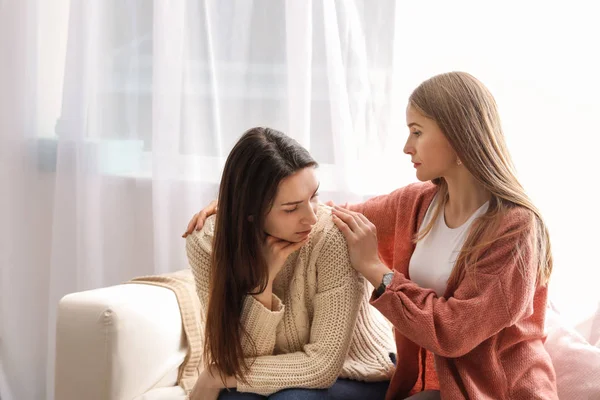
423	178
288	238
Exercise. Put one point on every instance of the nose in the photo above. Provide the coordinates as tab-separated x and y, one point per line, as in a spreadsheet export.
408	147
310	217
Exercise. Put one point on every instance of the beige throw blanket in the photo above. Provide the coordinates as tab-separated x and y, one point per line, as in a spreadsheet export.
182	284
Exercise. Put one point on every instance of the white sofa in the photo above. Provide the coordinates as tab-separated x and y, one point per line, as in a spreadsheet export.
126	342
119	343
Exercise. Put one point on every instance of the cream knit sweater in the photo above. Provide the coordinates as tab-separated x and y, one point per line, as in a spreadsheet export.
321	327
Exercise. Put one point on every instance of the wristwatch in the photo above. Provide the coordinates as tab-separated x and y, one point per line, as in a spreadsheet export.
385	281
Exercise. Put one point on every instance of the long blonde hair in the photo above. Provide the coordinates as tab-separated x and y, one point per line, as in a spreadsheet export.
467	114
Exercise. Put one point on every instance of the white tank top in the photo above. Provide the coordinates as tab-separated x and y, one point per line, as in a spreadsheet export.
434	256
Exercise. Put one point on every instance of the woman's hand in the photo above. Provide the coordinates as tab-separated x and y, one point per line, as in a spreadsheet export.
277	251
330	203
197	221
361	236
209	384
207	387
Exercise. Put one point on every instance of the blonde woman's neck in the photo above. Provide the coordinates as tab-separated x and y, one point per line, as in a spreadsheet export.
465	196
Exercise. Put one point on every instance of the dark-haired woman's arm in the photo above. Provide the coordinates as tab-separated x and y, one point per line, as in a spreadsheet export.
336	306
259	321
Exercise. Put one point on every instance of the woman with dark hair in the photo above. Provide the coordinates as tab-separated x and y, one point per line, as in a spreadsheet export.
286	314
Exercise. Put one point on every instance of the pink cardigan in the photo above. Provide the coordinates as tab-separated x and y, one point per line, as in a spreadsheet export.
486	334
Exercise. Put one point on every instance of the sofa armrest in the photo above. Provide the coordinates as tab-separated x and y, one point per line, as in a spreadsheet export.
118	342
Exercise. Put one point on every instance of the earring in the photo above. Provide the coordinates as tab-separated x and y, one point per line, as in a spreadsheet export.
458	162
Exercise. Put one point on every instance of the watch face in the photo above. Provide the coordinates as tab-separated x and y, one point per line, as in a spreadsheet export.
387	278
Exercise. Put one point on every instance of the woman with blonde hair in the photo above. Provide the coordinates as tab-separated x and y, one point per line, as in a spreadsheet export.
460	261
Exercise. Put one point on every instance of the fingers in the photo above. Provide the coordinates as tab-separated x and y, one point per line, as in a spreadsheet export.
271	240
202	215
348	218
190	227
330	203
361	220
345	229
198	220
292	247
352	224
283	245
275	245
278	250
205	213
368	224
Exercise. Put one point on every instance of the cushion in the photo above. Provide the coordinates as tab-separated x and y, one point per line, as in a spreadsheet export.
576	361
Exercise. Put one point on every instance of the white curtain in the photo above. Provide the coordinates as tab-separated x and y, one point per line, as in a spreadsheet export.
116	117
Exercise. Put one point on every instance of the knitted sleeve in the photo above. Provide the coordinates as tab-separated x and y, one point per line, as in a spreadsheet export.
260	323
339	292
497	293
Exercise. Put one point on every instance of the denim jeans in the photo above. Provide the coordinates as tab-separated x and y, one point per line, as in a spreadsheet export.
345	389
342	389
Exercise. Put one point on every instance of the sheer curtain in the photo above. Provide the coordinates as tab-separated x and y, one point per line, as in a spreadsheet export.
116	117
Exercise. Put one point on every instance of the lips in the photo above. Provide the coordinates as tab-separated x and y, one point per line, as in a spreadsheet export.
304	232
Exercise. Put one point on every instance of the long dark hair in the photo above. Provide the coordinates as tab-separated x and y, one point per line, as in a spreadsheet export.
256	165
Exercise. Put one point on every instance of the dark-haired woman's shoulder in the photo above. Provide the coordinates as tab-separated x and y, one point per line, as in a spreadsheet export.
329	259
324	222
326	235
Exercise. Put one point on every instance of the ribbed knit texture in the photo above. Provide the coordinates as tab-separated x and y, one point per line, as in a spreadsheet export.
486	333
322	326
182	285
